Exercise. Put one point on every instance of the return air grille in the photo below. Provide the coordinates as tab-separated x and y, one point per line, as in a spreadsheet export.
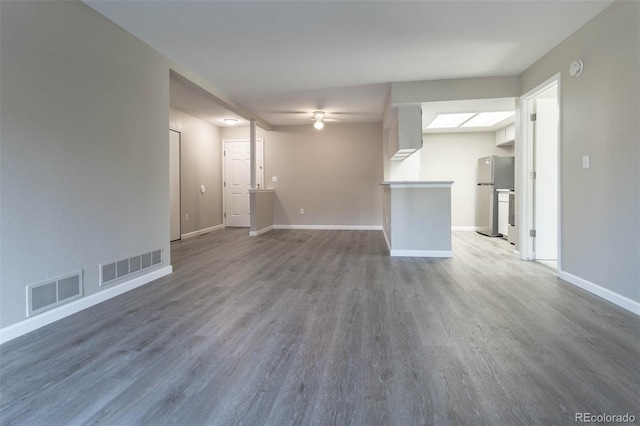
55	292
113	271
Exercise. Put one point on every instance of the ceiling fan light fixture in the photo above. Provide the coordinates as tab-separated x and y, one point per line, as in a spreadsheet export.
318	117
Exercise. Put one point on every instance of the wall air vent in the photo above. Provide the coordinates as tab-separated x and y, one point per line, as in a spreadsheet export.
54	292
114	271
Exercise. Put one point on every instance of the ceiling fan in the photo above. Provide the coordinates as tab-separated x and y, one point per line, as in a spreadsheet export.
327	115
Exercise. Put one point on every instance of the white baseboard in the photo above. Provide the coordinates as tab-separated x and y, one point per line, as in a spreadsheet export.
261	231
465	228
615	298
332	227
46	318
421	253
415	253
201	231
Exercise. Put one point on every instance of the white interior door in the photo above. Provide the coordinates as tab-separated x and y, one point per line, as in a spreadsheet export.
237	161
174	185
546	181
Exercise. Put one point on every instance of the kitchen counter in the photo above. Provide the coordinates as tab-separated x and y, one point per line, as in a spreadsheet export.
261	206
417	218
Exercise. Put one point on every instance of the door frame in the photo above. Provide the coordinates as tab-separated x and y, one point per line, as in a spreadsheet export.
179	184
526	163
224	172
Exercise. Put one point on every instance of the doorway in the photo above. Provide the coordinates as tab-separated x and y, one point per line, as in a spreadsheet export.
174	186
541	160
237	180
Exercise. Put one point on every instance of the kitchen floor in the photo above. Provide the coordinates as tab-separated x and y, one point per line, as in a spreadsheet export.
551	264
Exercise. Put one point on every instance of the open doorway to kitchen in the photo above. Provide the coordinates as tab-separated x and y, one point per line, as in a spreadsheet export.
540	235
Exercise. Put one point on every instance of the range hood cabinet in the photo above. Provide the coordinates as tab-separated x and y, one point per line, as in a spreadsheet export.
405	131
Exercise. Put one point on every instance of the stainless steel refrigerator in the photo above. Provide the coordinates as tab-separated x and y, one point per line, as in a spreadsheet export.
492	173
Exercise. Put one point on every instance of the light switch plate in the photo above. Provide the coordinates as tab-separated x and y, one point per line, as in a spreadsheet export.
585	161
274	178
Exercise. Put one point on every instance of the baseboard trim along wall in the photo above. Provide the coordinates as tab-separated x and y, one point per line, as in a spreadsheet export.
421	253
464	228
615	298
260	231
332	227
201	231
46	318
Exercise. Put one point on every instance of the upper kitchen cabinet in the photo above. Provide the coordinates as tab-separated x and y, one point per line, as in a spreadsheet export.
405	131
506	136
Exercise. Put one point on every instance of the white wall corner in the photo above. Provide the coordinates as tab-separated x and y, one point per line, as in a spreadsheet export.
386	240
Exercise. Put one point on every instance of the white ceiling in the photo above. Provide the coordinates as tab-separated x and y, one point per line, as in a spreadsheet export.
282	60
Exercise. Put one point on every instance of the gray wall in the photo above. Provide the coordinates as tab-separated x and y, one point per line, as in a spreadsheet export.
200	164
84	166
454	156
386	214
599	116
241	133
421	219
261	210
334	173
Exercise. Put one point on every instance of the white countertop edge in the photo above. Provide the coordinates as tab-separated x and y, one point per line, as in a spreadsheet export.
418	184
253	191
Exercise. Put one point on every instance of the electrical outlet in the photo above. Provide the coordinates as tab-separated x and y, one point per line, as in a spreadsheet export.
186	217
301	211
274	178
585	161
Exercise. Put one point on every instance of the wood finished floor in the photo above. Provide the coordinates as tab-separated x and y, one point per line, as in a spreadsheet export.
322	327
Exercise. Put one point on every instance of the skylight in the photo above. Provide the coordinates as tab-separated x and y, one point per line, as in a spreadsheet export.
446	121
488	119
471	119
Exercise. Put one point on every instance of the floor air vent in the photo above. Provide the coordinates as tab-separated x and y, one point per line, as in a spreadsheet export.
111	272
55	292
